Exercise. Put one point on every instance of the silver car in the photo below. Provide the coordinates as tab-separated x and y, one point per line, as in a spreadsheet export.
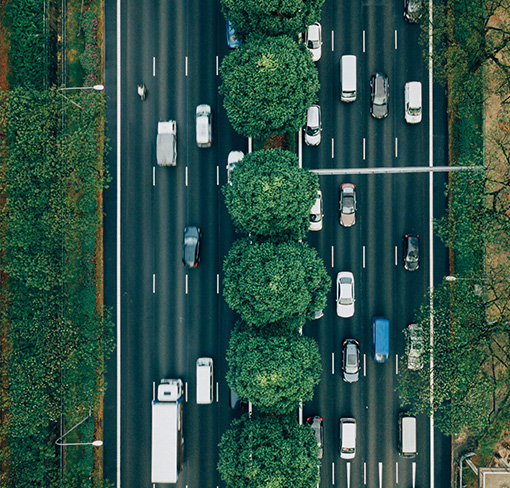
350	360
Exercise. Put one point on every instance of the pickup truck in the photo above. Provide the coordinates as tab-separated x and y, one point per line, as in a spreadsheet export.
166	143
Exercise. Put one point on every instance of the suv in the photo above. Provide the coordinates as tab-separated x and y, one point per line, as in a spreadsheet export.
411	259
313	126
379	95
347	204
350	360
203	125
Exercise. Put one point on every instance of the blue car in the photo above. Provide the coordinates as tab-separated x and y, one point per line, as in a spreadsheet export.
232	40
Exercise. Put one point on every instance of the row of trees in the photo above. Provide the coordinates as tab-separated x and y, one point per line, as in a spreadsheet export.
273	279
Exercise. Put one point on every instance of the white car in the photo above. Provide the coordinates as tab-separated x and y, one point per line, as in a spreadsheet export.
313	40
316	213
313	126
203	119
345	294
233	158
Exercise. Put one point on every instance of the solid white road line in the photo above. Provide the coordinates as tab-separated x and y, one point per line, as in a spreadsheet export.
153	283
153	390
154	176
153	65
414	475
363	41
396	472
396	147
364	364
364	257
332	256
380	475
396	39
396	256
217	176
186	283
332	363
217	393
332	148
186	66
186	391
364	150
332	473
348	475
217	66
364	473
332	40
396	364
186	176
217	284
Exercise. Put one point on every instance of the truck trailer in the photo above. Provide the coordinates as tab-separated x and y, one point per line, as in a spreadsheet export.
167	440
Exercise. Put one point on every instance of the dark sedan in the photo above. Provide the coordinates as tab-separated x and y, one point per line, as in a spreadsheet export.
191	246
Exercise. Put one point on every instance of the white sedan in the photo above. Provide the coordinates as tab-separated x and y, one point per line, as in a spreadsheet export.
345	294
313	40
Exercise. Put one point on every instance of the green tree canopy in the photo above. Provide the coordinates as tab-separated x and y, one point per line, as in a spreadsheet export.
271	195
268	84
273	372
271	17
267	282
268	451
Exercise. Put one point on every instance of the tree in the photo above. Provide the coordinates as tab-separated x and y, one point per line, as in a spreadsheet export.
266	282
271	17
273	372
268	451
268	84
270	195
470	361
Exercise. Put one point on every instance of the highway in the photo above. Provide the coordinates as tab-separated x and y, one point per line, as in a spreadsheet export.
169	316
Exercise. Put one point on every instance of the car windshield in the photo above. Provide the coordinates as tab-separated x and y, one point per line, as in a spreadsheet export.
313	44
315	218
312	131
414	110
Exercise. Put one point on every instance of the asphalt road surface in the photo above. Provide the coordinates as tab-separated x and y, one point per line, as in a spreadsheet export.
170	316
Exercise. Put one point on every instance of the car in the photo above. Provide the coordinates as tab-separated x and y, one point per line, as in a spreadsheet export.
313	125
233	158
317	315
350	360
203	117
412	102
345	294
232	40
191	246
313	40
316	213
411	259
347	204
414	347
318	429
379	95
413	10
234	403
347	438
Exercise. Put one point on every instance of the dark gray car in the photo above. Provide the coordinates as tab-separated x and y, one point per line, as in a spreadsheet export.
191	246
411	259
379	95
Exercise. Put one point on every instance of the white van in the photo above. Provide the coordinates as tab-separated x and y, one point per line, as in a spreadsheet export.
204	125
348	78
407	435
412	101
347	438
204	380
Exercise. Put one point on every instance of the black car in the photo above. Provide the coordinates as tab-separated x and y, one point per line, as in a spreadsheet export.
379	95
350	360
411	259
413	10
318	429
191	246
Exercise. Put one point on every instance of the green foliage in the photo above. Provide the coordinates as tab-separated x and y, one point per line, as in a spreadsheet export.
273	372
270	195
267	282
268	84
268	451
28	51
57	335
271	17
90	58
467	368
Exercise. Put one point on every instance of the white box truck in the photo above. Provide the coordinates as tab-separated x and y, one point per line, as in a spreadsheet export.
167	437
166	143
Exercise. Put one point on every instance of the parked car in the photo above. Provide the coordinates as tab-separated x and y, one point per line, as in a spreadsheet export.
233	158
316	213
413	10
232	40
345	294
313	40
317	426
234	403
379	95
318	314
347	204
350	360
191	246
411	259
414	347
313	126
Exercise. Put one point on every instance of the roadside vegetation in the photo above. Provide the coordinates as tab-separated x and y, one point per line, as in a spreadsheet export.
55	332
471	314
